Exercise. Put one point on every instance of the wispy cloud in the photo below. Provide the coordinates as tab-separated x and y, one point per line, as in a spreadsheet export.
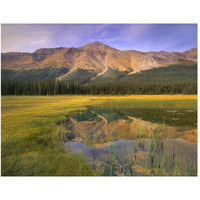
25	37
144	37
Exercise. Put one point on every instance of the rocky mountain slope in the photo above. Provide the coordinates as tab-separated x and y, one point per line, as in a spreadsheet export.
95	58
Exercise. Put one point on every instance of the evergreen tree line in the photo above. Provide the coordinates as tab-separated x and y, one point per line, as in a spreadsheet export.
55	87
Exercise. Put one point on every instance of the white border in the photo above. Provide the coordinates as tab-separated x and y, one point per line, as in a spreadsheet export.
104	11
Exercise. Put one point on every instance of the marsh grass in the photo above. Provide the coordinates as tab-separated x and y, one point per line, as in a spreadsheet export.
154	110
32	138
158	162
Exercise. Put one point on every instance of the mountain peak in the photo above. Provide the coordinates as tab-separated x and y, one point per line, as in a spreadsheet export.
97	46
96	43
48	49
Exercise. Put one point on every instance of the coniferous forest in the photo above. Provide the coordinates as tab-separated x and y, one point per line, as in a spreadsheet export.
178	79
55	87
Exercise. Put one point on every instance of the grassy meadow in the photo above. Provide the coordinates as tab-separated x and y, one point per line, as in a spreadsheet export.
32	129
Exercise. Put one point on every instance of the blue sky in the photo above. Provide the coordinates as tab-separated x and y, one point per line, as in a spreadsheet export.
142	37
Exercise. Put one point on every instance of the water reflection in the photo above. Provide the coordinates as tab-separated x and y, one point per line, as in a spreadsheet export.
116	141
89	125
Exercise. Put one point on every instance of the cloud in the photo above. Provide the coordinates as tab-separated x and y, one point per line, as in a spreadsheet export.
143	37
26	37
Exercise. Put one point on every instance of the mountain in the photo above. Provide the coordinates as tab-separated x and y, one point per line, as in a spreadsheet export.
86	63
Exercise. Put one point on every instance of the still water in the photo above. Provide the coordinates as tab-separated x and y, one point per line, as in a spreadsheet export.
136	137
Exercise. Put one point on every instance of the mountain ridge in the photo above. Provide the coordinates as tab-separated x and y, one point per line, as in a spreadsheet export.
94	57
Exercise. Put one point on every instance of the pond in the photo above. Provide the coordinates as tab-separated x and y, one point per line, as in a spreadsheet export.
134	138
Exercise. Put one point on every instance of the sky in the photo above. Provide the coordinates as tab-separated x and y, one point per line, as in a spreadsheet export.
141	37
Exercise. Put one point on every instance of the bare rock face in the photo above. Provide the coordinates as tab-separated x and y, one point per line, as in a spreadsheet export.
41	54
95	56
191	54
15	60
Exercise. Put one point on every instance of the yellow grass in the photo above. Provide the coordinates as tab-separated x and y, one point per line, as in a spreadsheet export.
31	132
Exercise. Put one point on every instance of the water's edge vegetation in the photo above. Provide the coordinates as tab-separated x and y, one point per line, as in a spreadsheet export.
32	133
132	137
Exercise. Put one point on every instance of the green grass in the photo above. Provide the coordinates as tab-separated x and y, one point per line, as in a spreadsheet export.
32	134
32	137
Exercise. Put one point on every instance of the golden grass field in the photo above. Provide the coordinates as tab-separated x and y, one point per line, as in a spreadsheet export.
32	128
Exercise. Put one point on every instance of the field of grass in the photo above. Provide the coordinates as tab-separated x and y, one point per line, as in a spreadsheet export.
32	131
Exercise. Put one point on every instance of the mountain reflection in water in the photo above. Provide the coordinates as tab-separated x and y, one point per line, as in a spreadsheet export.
114	143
